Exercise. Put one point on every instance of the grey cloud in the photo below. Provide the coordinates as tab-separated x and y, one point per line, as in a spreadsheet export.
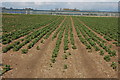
109	6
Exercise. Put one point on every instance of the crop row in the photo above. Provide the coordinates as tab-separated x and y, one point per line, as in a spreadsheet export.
81	38
66	41
59	29
63	31
72	37
56	25
47	32
56	49
88	37
66	38
106	27
33	36
94	40
9	37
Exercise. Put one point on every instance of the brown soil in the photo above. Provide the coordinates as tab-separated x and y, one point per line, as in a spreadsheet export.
36	63
108	42
114	59
27	34
97	66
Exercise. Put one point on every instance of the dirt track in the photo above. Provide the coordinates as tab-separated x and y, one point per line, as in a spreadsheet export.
36	64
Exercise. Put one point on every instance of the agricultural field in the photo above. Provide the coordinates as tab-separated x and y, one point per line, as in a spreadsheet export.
53	46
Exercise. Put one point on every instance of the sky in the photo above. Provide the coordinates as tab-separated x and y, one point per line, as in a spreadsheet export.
59	0
99	5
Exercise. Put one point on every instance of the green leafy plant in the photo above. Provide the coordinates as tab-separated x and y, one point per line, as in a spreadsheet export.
51	65
110	46
101	52
88	47
42	41
30	45
97	48
74	47
7	48
114	65
6	68
68	53
113	53
53	60
24	51
65	56
22	39
107	58
16	48
65	66
38	48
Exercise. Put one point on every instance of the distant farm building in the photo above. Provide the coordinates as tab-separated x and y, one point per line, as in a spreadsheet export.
60	12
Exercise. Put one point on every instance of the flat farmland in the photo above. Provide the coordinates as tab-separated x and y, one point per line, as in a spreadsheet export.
53	46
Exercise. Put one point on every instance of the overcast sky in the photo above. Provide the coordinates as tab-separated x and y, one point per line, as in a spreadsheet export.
59	0
101	5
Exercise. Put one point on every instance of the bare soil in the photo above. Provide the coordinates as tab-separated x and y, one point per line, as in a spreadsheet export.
114	47
36	63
